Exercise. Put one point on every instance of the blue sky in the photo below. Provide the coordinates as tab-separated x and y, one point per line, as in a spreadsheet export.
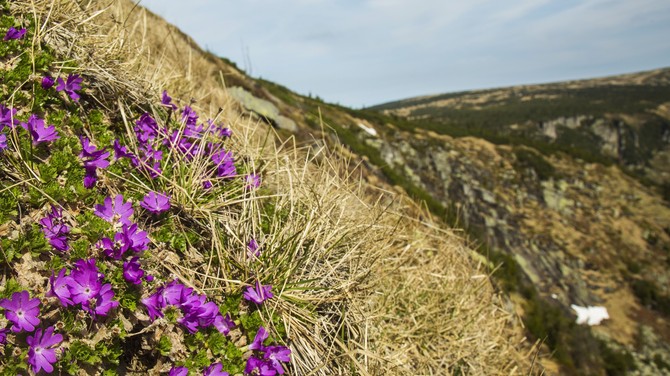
366	52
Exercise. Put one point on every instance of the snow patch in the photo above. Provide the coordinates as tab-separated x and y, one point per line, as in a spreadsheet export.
590	315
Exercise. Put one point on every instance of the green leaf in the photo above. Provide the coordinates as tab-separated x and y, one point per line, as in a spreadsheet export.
164	345
217	343
11	287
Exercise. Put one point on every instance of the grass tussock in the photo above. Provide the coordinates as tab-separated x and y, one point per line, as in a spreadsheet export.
365	282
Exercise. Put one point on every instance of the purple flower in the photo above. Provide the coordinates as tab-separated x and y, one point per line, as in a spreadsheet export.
86	288
225	132
261	336
132	271
146	128
3	142
277	354
42	353
70	86
38	131
13	33
59	288
8	117
148	160
113	249
84	283
3	335
224	324
102	302
171	294
206	184
174	293
135	238
260	367
156	202
189	116
91	177
197	313
92	157
214	369
252	181
47	82
120	151
166	101
252	248
129	238
154	305
178	371
183	144
224	164
194	131
54	230
22	311
116	212
258	295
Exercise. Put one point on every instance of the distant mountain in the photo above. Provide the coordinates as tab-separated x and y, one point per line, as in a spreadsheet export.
621	119
560	185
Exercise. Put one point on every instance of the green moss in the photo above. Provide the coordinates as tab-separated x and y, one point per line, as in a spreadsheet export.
11	286
616	363
529	159
164	345
650	295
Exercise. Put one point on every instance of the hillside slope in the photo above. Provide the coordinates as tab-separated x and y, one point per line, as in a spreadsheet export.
360	276
562	224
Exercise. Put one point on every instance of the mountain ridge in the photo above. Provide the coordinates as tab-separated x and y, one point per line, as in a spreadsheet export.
615	79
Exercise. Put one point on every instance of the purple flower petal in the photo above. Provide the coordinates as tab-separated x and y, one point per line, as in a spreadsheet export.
22	311
39	132
55	231
166	101
156	202
70	86
13	33
178	371
132	271
8	117
259	294
261	336
224	324
47	82
215	369
59	288
277	354
260	367
115	212
42	355
253	249
252	181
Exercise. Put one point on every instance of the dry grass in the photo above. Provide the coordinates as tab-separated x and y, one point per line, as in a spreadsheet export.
365	287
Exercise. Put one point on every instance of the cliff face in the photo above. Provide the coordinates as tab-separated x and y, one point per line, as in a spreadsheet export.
582	232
